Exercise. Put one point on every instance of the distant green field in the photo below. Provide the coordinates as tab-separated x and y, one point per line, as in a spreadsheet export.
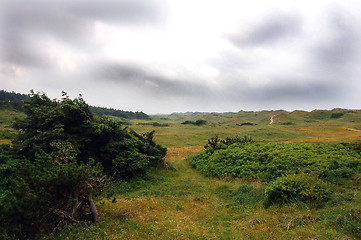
297	126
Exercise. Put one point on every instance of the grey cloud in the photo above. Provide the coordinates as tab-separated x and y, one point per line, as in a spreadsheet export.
278	90
279	25
297	90
148	81
282	89
24	53
341	49
24	23
128	11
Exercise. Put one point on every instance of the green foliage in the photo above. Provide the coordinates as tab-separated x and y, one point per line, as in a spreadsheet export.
298	187
58	161
246	124
287	123
119	113
15	106
44	194
320	114
15	100
337	115
334	163
355	146
218	143
12	96
120	151
198	122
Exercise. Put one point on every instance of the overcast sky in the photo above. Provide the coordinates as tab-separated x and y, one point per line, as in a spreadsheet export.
164	56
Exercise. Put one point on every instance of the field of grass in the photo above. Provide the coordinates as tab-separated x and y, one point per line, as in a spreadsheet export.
296	126
184	204
7	116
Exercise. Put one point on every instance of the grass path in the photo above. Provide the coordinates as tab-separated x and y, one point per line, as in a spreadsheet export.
183	204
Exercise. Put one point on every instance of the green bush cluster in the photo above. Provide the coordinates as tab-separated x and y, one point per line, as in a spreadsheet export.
298	187
215	143
59	160
336	115
293	172
268	161
198	122
246	124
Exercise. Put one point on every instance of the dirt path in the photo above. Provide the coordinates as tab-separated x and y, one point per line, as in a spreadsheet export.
352	129
271	119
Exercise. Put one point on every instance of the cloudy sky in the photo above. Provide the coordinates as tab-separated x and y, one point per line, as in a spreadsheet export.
163	56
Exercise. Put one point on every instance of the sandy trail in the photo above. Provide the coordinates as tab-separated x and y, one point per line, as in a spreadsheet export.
271	119
352	129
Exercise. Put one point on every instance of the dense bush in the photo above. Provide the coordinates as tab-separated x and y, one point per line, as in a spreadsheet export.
337	115
246	124
198	122
43	194
218	143
297	187
334	163
119	150
58	162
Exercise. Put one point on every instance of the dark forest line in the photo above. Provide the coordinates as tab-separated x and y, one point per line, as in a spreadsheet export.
14	100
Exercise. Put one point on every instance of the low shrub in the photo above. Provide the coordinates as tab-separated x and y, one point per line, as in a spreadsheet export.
199	122
335	163
218	143
246	124
336	115
298	187
288	123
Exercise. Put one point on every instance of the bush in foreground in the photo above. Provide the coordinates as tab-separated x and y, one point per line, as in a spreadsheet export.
59	160
335	163
297	187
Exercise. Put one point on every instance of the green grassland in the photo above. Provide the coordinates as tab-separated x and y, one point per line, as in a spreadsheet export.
297	126
7	115
184	204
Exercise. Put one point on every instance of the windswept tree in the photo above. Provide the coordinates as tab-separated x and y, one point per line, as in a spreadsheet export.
60	159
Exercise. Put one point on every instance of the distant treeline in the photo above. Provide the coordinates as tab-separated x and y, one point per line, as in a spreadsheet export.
119	113
12	100
12	96
16	98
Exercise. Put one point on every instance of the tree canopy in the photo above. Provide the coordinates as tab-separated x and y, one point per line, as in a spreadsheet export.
60	158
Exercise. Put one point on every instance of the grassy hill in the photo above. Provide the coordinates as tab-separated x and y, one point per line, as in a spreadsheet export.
296	126
184	204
